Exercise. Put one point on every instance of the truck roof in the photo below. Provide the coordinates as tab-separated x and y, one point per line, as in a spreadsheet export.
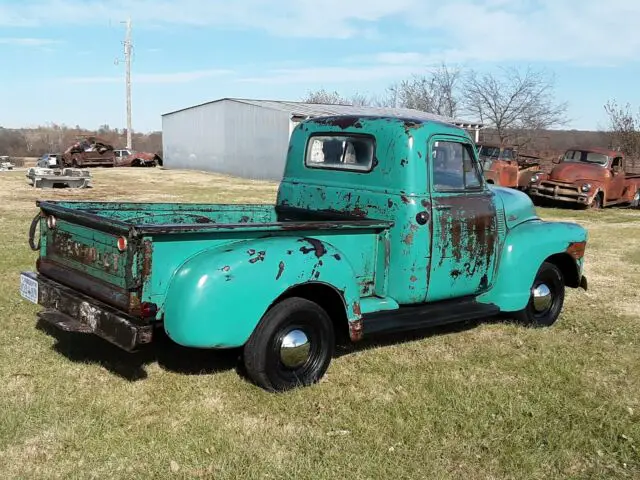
355	121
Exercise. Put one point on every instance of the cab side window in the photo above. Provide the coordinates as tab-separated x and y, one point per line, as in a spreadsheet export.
454	167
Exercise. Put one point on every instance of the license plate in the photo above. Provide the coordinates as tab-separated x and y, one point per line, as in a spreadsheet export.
29	288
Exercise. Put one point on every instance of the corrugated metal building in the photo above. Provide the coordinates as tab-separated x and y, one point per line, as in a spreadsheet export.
250	138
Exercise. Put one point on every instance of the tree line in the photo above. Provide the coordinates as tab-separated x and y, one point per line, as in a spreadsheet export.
54	138
517	106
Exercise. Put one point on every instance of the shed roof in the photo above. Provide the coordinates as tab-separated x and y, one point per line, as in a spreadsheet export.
306	110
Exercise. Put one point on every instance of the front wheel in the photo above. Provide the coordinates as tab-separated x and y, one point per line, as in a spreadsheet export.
635	203
292	346
546	300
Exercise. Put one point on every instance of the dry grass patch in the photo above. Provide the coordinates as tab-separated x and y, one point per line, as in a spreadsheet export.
491	400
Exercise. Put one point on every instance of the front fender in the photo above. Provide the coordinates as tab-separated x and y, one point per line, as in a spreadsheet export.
526	247
217	297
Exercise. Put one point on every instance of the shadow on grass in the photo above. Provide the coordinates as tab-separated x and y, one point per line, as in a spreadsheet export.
87	348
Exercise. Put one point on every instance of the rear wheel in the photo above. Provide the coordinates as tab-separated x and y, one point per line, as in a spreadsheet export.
636	200
292	346
546	300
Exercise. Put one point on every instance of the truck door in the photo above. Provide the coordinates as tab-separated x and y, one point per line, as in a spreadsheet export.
465	229
616	184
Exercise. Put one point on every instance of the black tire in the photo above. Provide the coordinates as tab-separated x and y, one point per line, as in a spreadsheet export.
550	276
635	203
262	353
597	202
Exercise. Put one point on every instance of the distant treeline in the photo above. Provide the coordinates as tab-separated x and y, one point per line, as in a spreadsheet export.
34	142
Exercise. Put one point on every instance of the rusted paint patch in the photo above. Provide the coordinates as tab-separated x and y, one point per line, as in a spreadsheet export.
259	257
468	231
413	279
356	331
316	247
408	239
280	270
346	121
337	256
202	219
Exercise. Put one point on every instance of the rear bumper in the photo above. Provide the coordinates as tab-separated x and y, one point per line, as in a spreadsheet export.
560	193
70	310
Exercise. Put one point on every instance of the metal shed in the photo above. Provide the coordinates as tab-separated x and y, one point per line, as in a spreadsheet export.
249	138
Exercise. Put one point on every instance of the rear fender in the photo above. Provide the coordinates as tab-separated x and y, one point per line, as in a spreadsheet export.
526	247
217	297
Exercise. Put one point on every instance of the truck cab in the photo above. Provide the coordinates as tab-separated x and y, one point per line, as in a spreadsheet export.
380	224
504	166
589	177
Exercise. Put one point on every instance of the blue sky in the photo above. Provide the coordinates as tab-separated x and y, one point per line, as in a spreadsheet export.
58	55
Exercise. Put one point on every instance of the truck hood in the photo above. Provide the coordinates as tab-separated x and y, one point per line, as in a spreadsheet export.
517	205
572	172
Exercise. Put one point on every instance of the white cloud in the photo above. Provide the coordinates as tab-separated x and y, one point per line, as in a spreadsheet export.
28	42
176	77
576	31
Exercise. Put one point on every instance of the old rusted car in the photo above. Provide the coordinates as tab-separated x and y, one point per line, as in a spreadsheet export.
125	157
505	166
380	224
589	177
89	151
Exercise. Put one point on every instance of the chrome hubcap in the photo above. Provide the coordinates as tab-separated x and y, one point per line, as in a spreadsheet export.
294	349
542	298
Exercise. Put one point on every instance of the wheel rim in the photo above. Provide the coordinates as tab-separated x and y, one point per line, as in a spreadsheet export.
295	348
542	299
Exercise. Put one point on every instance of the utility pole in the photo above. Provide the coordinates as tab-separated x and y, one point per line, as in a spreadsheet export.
127	58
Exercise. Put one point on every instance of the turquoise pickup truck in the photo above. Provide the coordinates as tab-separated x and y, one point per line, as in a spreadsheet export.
380	224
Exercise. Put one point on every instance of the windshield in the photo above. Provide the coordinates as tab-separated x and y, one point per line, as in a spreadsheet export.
586	157
489	152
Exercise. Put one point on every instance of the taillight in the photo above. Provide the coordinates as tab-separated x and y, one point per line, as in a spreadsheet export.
148	309
51	222
122	244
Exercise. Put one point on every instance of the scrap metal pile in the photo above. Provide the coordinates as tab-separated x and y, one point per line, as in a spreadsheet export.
59	177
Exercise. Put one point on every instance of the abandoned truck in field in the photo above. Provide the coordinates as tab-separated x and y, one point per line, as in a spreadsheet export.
380	224
88	151
589	177
505	166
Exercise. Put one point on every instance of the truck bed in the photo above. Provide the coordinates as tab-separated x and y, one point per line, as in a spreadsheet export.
85	251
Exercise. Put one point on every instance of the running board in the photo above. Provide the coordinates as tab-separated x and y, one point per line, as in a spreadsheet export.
427	315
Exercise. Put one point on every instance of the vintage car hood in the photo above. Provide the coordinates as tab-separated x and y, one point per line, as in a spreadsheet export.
571	172
518	207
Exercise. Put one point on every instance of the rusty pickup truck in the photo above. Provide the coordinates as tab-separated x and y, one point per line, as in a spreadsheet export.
380	224
588	177
505	166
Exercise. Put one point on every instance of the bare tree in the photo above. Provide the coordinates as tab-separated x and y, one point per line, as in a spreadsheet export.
433	93
334	98
624	128
516	104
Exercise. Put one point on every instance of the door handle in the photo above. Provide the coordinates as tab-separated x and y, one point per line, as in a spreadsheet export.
422	218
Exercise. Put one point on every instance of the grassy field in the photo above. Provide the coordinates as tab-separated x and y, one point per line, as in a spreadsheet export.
491	400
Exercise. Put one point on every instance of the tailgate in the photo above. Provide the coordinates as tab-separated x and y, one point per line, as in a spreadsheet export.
92	261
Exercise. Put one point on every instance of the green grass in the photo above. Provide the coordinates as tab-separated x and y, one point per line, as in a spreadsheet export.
492	400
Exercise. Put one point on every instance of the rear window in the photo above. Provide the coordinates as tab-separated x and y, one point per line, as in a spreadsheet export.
343	152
